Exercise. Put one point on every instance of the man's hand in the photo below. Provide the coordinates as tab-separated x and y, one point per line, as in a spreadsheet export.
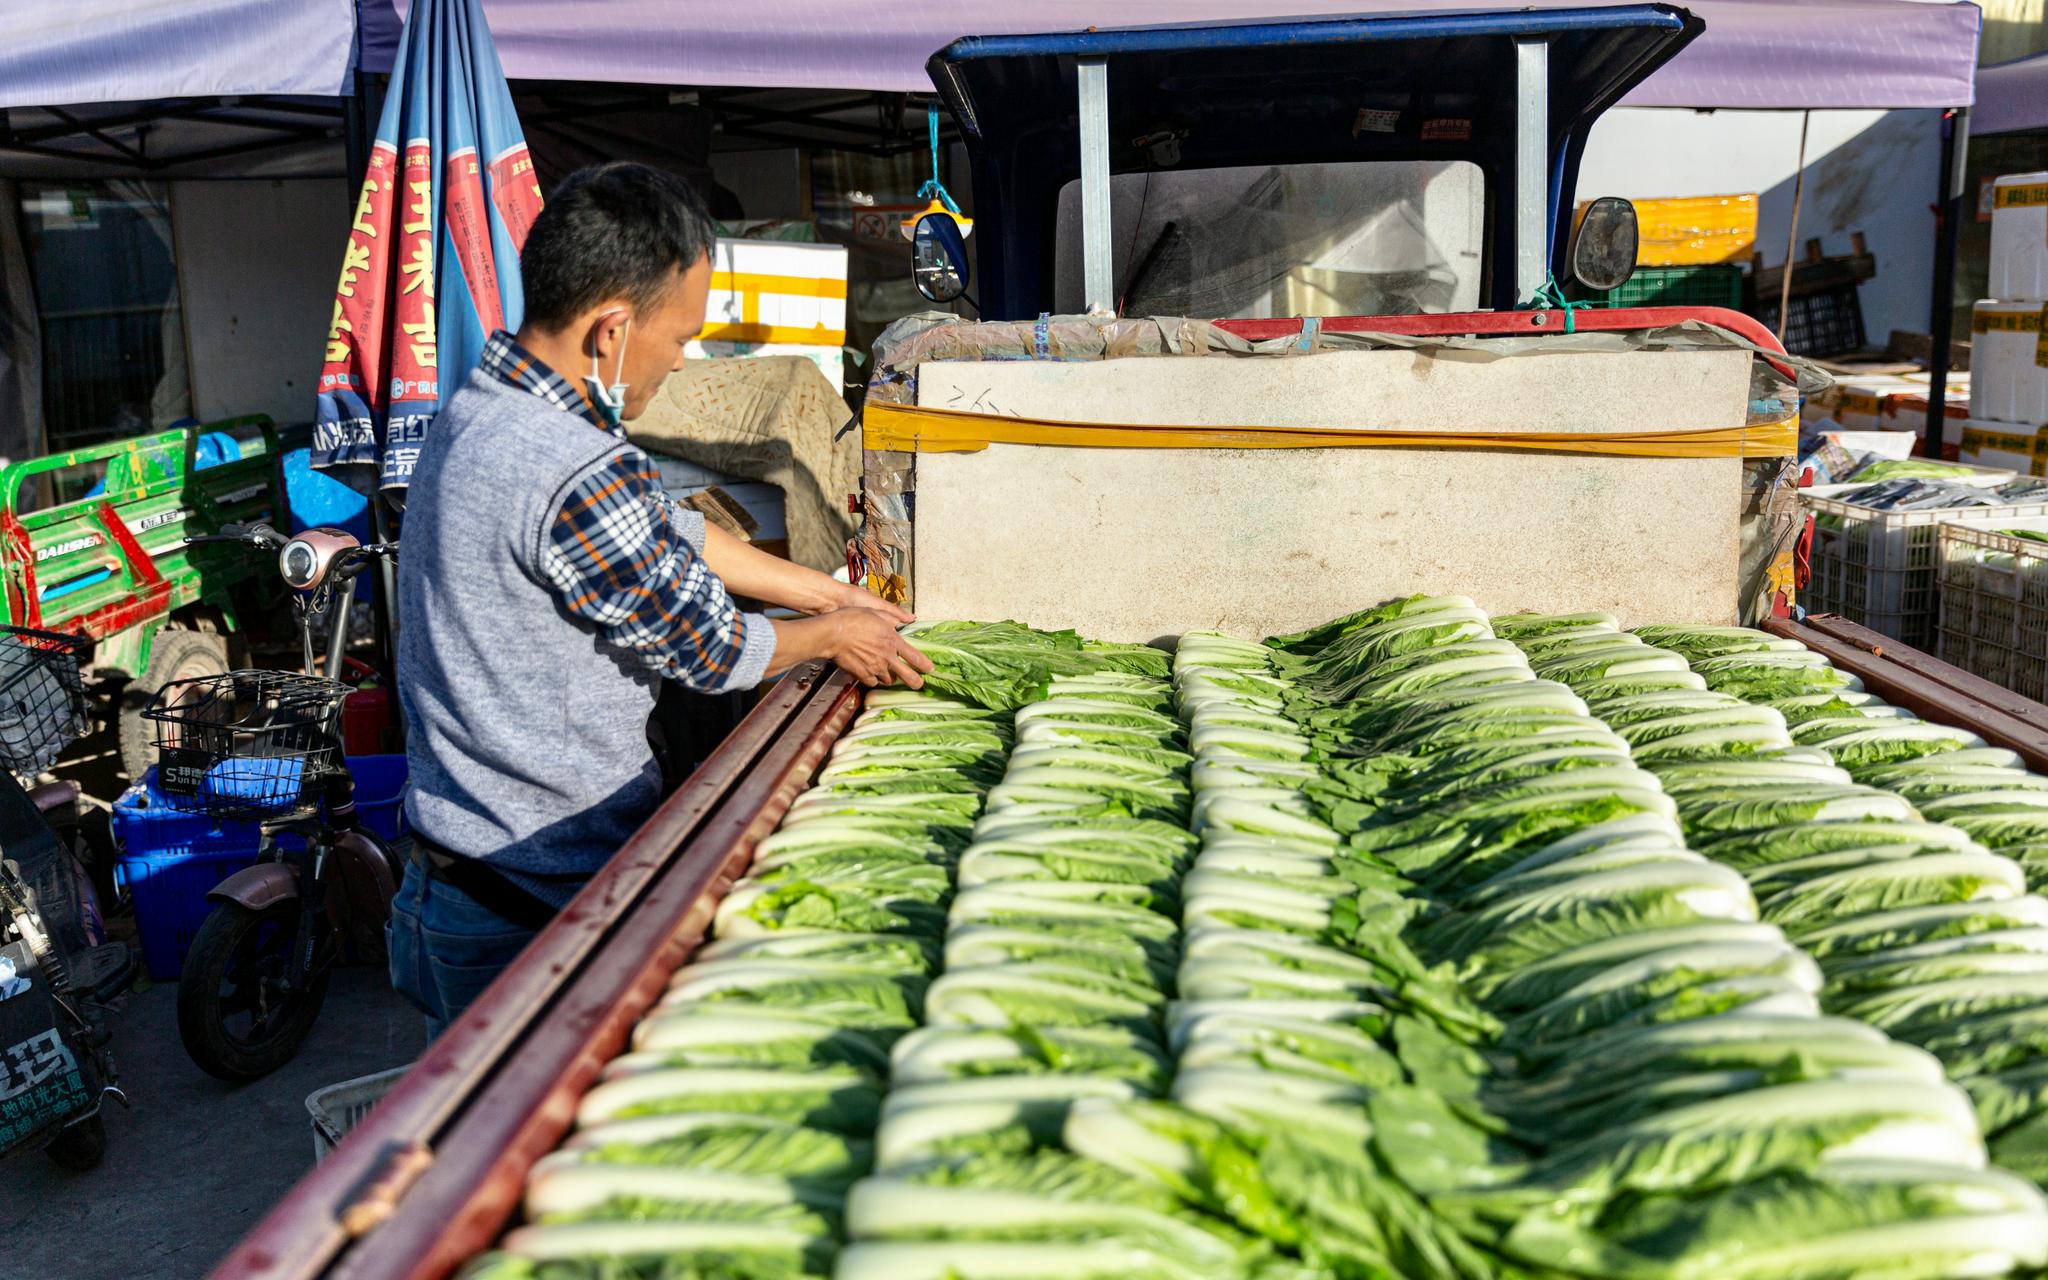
862	641
844	595
867	647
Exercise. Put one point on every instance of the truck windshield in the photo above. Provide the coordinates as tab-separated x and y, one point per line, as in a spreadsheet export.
1389	238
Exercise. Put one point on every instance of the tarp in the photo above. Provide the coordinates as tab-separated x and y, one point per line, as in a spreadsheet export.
2012	97
81	51
431	266
1756	53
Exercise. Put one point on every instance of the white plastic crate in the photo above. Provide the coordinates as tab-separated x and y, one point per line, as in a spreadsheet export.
338	1108
1877	568
1994	603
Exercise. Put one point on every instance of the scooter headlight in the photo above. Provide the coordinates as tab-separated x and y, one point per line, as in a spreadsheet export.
298	563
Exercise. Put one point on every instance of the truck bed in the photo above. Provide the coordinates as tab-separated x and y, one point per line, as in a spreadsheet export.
436	1172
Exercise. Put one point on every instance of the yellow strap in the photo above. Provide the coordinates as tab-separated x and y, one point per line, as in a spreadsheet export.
917	430
764	333
756	282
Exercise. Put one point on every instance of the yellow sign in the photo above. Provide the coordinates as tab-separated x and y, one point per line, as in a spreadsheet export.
2022	196
1986	321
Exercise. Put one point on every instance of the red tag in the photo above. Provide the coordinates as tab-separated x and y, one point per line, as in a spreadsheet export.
1447	130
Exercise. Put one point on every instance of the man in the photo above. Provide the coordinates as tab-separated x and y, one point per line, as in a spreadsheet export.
548	585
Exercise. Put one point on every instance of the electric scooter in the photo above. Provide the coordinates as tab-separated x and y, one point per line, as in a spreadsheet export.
266	747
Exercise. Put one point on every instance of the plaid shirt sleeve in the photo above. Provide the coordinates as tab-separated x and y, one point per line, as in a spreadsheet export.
618	559
687	524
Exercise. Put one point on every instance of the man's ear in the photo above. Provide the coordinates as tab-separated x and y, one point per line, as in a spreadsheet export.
606	330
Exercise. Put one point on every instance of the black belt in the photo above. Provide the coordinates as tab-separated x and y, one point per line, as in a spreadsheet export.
489	888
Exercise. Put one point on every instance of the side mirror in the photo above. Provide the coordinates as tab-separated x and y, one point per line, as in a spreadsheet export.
1604	254
938	254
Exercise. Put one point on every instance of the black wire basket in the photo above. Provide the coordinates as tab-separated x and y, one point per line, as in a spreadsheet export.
42	697
248	746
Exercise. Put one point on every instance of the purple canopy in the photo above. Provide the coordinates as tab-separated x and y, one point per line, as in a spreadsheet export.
1755	53
58	55
2012	97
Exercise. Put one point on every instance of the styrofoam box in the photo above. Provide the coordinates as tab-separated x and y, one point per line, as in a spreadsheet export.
777	298
2007	384
1998	444
1907	411
1860	402
2019	237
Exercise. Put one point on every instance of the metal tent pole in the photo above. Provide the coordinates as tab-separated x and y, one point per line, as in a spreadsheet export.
1792	233
1532	168
1948	219
1097	273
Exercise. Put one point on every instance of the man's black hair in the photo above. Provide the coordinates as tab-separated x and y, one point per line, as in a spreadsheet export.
611	231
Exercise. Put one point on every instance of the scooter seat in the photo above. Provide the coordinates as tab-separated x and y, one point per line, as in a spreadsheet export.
52	796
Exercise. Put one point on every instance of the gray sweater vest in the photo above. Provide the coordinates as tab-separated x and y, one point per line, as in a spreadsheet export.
526	736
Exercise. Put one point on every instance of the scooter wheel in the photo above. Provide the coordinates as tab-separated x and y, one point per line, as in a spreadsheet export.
79	1148
242	1012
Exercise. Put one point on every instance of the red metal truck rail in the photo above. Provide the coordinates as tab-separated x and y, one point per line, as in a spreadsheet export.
1515	323
434	1173
1518	324
1926	686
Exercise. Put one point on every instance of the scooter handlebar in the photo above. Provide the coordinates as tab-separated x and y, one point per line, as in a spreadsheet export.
248	535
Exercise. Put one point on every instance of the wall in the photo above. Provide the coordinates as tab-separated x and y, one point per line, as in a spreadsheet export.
2012	29
257	261
768	183
1869	171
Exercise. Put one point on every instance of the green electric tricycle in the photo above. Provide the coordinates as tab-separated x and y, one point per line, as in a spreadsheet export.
93	544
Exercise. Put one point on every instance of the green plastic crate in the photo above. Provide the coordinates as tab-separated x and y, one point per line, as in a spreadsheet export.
1715	285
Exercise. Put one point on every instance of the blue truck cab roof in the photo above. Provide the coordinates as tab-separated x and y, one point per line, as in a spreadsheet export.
1379	88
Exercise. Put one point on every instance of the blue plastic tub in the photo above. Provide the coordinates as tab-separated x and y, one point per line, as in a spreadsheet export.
170	861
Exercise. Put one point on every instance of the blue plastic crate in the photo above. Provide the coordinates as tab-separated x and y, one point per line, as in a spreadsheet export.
170	861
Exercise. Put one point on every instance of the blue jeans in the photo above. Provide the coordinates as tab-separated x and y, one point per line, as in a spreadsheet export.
446	947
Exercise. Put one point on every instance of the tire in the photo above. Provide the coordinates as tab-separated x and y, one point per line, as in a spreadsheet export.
236	960
177	654
79	1148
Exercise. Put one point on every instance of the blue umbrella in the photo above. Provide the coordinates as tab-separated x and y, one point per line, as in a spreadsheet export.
432	264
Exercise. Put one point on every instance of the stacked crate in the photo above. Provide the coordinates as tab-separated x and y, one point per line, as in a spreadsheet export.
1993	573
2009	352
1994	601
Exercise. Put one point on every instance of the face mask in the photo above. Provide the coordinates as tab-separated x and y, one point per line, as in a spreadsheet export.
610	400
